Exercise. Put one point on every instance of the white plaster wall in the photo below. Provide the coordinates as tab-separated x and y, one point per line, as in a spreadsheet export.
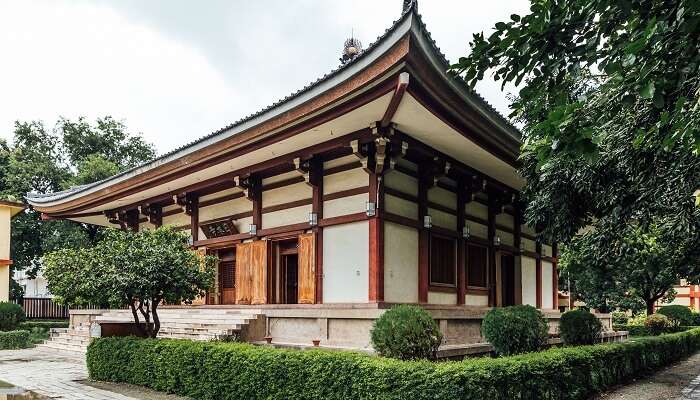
477	209
4	233
505	220
442	298
528	244
476	300
546	250
346	205
443	197
400	181
286	194
400	263
527	229
346	263
220	210
345	180
478	230
529	280
547	300
289	216
506	238
399	206
443	219
243	224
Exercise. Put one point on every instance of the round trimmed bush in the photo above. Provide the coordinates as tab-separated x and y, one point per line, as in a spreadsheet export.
619	318
657	324
406	332
677	314
514	330
579	327
11	315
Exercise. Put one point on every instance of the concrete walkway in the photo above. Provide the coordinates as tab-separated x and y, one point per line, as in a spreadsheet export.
680	381
63	375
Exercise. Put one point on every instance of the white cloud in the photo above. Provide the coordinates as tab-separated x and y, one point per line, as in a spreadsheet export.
176	70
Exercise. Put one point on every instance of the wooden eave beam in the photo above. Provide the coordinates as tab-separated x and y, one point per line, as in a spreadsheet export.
400	90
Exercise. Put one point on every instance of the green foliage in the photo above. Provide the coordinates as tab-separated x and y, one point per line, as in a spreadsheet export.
579	327
631	271
11	315
515	329
42	160
619	318
677	314
127	269
657	324
406	332
637	320
222	371
15	340
695	319
641	330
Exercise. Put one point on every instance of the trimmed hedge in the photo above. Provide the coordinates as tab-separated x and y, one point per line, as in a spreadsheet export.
678	314
577	327
14	340
210	371
639	330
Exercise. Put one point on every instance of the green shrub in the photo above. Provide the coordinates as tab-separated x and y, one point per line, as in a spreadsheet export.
579	327
635	330
619	318
14	340
695	319
514	330
637	320
657	324
677	314
209	371
407	333
11	315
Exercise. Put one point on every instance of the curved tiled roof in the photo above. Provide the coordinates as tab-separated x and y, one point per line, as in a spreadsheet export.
412	10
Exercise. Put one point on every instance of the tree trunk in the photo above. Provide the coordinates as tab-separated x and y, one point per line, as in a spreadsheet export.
136	319
156	319
650	305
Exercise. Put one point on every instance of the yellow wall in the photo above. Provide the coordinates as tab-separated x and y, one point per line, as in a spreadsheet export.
5	215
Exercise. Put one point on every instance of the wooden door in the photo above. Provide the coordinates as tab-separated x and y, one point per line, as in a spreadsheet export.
227	281
258	265
290	264
251	272
244	276
307	269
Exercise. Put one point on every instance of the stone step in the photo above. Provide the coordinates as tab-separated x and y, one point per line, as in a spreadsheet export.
198	331
63	347
182	323
184	317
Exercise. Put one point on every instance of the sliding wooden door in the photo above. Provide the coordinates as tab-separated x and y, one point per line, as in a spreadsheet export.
307	268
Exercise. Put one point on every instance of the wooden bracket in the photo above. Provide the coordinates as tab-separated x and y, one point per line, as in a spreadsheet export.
360	151
113	218
153	212
399	91
303	167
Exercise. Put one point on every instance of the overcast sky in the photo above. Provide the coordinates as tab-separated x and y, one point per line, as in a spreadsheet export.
176	70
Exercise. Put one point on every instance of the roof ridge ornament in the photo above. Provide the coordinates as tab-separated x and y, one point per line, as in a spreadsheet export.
351	48
409	5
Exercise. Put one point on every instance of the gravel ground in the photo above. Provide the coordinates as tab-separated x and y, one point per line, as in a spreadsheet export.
664	385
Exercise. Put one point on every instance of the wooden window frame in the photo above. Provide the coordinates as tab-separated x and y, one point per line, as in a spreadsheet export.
474	289
439	286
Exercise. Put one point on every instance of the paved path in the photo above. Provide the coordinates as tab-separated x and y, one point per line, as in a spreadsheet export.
63	375
680	381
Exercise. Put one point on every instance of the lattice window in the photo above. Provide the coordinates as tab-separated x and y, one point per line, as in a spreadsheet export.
476	263
442	260
227	271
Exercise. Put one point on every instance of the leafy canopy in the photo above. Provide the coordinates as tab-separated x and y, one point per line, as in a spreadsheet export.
127	269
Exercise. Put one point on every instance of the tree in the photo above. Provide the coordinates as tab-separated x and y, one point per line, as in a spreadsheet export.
43	161
137	270
633	271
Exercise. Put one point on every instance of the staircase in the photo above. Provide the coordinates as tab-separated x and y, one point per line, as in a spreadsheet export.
175	323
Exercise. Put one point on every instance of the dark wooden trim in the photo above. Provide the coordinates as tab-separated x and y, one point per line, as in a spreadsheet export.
194	218
287	182
424	181
401	220
346	193
477	240
343	219
491	275
443	289
317	199
505	229
477	290
401	86
477	220
530	254
440	207
528	236
517	228
342	168
6	262
222	240
283	229
285	206
400	194
218	200
461	253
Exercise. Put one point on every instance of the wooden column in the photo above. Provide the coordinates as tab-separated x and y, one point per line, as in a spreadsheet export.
255	195
538	275
131	218
316	182
517	256
424	183
492	251
461	260
193	211
376	240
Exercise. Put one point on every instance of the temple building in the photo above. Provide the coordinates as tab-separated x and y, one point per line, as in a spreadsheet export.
386	181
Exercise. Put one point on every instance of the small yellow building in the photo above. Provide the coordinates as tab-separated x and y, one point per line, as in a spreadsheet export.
7	211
